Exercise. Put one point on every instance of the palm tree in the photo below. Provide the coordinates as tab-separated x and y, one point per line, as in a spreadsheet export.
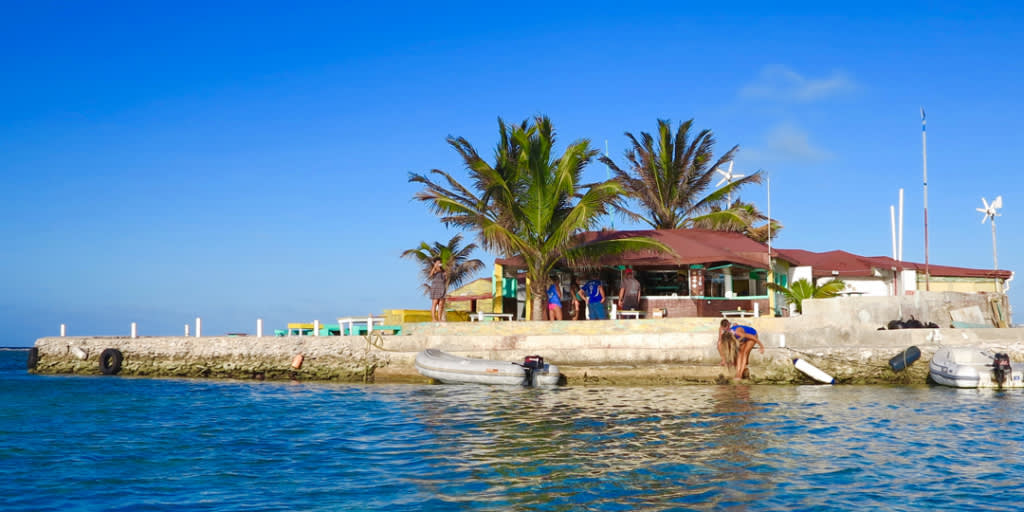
803	289
670	177
530	203
455	260
740	217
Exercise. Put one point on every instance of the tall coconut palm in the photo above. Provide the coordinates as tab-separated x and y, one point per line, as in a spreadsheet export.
454	259
670	176
529	203
803	289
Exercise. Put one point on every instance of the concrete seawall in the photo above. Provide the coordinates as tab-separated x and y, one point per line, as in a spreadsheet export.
611	352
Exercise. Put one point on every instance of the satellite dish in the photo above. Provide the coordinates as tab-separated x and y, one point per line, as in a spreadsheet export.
990	209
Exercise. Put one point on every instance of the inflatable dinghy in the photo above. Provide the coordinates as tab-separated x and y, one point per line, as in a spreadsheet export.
971	367
452	369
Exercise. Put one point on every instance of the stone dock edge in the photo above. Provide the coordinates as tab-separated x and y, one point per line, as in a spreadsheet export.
611	352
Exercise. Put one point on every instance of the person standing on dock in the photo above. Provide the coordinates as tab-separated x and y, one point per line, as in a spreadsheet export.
629	292
595	299
438	290
554	299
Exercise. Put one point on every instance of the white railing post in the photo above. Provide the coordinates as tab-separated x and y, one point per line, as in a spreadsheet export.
199	327
63	330
757	310
134	331
615	310
369	324
259	327
316	327
186	329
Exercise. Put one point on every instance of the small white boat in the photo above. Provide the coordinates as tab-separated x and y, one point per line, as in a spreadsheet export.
451	369
971	367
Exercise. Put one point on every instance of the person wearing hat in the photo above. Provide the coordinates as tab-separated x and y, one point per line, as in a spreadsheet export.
629	292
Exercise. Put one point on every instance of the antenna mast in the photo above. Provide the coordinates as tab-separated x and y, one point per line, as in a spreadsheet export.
924	155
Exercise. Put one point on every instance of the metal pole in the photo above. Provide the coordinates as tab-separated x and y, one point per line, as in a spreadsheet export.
892	223
995	256
771	268
924	156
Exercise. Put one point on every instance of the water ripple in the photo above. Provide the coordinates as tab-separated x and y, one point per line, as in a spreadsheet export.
130	444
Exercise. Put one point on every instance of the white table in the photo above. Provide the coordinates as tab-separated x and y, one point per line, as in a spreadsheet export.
741	314
633	314
346	323
479	317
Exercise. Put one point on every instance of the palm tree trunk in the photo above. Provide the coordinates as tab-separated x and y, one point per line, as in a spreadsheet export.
539	295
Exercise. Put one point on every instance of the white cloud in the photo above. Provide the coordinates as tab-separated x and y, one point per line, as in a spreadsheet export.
786	142
783	84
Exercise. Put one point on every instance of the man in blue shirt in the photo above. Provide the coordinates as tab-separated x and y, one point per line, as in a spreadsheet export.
595	299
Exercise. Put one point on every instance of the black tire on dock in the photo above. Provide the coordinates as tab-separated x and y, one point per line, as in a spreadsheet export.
110	361
33	358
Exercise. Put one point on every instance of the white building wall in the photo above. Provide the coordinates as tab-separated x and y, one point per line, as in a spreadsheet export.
908	281
798	273
868	286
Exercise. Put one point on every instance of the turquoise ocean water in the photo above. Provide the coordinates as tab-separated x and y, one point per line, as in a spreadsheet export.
111	443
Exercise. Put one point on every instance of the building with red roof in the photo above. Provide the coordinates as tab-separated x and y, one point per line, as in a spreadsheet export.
715	273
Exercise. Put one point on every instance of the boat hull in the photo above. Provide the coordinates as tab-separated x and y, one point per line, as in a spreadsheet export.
452	369
969	367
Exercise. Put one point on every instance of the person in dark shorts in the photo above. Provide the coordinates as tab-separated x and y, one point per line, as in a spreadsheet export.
629	292
438	291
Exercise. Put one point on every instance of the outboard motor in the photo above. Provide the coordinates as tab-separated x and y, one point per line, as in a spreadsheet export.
1001	370
532	364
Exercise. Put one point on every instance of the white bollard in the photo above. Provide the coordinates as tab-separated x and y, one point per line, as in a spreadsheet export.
259	327
782	341
186	329
316	327
199	327
757	310
369	324
63	331
134	331
615	311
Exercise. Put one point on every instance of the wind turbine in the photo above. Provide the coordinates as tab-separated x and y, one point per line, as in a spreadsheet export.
990	213
727	178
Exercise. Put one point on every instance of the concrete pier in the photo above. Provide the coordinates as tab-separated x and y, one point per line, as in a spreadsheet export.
840	336
612	352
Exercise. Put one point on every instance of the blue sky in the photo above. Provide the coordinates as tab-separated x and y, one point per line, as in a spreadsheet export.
250	160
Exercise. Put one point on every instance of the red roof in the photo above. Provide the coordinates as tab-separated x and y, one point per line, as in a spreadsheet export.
847	264
700	246
692	246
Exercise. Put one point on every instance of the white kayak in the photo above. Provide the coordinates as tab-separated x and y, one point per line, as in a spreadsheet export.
971	367
451	369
